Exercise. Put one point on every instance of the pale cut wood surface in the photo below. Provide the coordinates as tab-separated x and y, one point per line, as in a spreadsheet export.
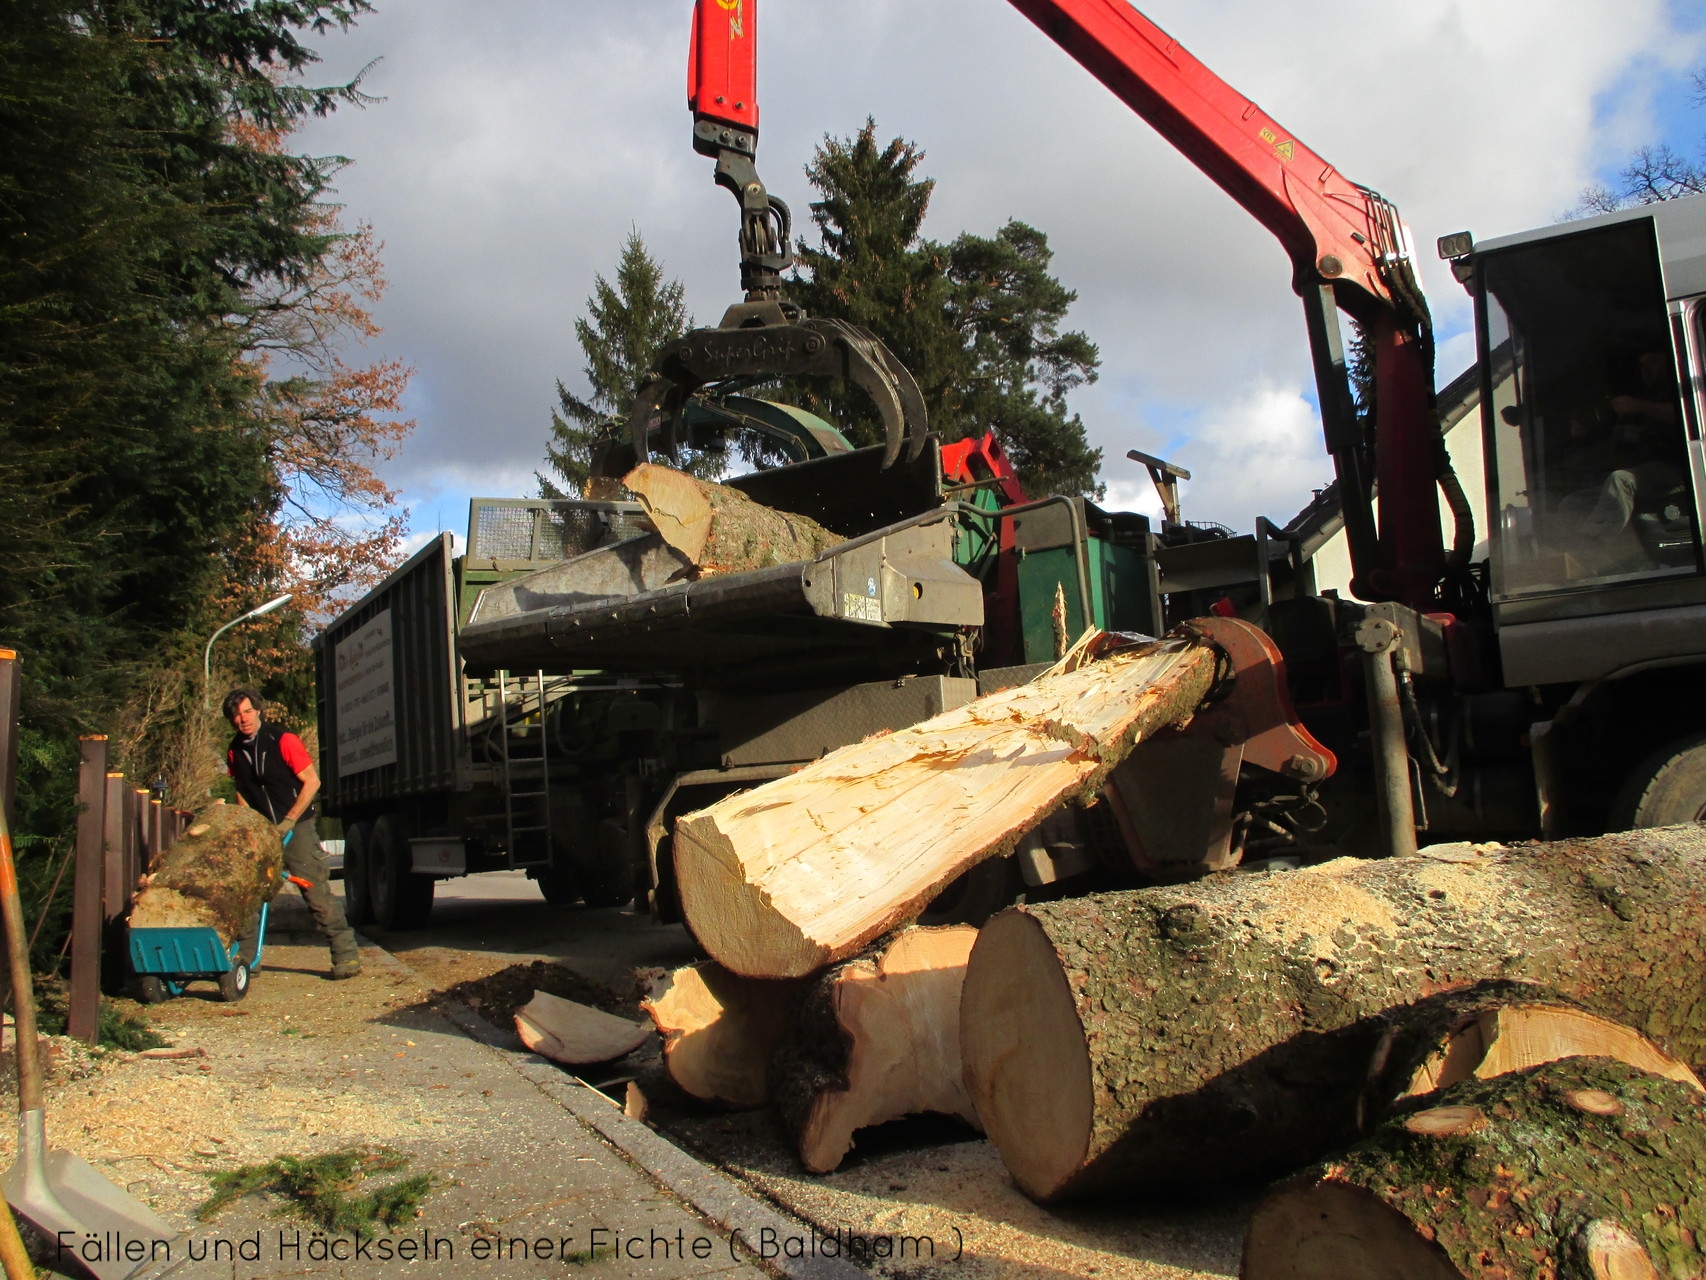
804	871
720	529
721	1030
887	1044
576	1034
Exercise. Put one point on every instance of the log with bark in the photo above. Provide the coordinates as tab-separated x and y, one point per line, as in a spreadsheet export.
720	1030
225	865
1191	1035
719	529
807	870
1491	1030
877	1039
576	1034
1581	1168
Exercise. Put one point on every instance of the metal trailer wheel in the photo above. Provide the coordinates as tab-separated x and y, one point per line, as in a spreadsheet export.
234	982
152	989
400	898
1667	787
358	898
559	885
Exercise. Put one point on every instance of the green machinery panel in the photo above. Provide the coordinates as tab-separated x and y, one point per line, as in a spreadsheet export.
1122	595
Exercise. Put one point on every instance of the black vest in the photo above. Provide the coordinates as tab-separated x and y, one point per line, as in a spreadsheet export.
267	784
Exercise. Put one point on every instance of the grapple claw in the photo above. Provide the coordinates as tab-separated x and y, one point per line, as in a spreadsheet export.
806	348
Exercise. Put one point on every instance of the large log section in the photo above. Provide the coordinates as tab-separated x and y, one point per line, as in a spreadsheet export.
878	1038
217	875
721	530
1584	1168
806	870
720	1030
1193	1035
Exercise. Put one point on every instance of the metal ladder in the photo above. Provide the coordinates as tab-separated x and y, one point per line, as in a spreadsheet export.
516	750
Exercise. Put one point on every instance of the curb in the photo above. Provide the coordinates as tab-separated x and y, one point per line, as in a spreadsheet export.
715	1196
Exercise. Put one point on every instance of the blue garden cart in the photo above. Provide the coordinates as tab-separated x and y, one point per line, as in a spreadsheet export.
168	960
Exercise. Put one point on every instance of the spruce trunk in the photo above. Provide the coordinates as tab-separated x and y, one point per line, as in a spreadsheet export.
1190	1035
721	530
807	870
1582	1168
217	875
877	1039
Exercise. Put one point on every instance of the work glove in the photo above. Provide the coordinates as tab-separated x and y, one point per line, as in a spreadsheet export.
284	827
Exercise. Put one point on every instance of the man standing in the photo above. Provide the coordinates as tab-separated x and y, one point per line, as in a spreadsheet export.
275	776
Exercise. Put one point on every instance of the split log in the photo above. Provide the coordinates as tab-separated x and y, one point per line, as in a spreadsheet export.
721	530
1492	1030
720	1030
216	876
576	1034
1222	1030
807	870
877	1039
1584	1167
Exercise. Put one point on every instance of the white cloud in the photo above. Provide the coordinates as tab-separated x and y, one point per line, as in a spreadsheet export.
521	141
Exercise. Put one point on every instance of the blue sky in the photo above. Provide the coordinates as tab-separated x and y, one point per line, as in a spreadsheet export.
512	155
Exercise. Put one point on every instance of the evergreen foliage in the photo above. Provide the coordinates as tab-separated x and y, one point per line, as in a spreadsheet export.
977	321
150	230
625	326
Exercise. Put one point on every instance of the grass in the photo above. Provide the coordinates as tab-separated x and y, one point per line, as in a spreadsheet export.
326	1190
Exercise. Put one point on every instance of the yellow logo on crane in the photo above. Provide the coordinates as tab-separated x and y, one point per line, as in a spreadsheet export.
737	24
1284	150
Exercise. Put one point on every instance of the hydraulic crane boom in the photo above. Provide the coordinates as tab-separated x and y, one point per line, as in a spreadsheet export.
1348	248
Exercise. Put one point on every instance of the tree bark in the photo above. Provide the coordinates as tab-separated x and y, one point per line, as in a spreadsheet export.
1196	1034
720	1031
1580	1168
217	875
877	1039
1491	1030
807	870
721	530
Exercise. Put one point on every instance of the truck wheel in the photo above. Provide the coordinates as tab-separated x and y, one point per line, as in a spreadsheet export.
602	868
400	898
358	901
1667	787
975	896
560	885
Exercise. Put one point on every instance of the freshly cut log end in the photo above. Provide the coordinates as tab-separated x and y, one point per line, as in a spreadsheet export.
227	864
1490	1031
1327	1231
576	1034
1027	1061
721	530
720	1031
1538	1188
1229	1024
877	1039
808	870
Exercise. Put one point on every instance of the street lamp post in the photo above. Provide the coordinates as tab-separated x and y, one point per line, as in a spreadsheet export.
207	654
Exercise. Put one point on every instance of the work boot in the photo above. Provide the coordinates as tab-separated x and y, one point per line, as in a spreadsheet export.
345	969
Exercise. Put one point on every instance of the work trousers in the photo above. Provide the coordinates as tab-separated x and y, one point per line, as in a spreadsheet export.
303	858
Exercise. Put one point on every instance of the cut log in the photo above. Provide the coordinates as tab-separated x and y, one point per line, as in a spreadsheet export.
720	1030
1494	1029
807	870
877	1039
721	530
216	876
1190	1035
1539	1188
576	1034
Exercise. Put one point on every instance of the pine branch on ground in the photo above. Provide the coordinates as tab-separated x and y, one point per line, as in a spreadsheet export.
323	1189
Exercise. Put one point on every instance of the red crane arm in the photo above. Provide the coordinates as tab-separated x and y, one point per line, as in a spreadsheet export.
722	69
1329	225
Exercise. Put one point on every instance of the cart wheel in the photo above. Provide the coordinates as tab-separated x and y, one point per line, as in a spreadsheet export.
152	989
234	982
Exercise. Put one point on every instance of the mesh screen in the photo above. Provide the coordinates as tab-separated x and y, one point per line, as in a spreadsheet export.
543	532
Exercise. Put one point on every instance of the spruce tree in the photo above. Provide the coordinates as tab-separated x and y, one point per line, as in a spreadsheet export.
977	321
625	325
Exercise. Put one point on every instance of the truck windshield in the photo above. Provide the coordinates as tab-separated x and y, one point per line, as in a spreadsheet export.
1589	477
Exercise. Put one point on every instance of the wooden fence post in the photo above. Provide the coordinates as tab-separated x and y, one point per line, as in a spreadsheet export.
86	919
